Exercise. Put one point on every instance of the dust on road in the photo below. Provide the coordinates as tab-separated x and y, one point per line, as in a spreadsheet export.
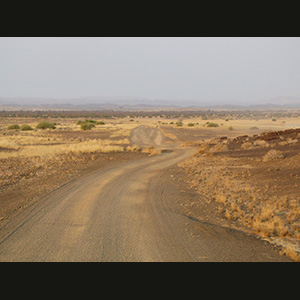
145	136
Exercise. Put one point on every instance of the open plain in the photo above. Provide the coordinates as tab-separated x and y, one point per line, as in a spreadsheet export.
150	186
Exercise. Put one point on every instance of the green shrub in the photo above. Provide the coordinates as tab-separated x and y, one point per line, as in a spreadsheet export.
26	127
87	126
211	124
191	124
45	125
230	128
14	126
179	123
90	121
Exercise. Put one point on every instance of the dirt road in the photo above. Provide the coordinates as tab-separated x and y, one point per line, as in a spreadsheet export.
123	213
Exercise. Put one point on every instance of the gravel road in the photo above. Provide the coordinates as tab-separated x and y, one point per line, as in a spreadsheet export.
123	213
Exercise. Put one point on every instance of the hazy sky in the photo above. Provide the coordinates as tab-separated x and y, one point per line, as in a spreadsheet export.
204	69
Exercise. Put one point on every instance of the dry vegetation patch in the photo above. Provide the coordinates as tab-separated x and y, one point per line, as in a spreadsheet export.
32	163
256	186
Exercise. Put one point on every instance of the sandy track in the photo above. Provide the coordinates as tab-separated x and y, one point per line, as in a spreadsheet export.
122	213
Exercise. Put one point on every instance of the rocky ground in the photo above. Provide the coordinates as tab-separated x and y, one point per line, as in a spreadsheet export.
246	182
25	180
254	182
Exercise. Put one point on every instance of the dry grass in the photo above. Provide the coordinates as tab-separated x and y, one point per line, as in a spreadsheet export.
290	251
273	155
247	145
26	154
29	153
261	143
222	179
48	150
152	151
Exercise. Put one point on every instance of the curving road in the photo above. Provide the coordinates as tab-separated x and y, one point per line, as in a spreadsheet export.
124	213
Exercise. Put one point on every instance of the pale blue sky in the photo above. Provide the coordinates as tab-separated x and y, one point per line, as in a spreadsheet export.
240	70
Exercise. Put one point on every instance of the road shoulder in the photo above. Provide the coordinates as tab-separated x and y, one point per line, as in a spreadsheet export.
204	222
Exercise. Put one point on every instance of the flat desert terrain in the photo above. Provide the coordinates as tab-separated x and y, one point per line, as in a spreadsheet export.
236	170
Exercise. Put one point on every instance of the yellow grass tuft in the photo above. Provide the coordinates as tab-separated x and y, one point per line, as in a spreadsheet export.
273	155
28	150
152	151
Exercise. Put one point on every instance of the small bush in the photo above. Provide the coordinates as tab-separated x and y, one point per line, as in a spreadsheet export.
87	126
191	124
26	127
230	128
45	125
211	124
14	126
179	123
100	123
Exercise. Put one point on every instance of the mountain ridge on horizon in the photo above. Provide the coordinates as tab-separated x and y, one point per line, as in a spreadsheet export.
141	103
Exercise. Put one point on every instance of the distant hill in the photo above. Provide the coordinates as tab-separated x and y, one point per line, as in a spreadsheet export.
114	103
